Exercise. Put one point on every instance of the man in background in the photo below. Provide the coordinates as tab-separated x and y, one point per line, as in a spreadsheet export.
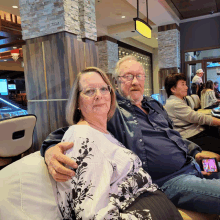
197	79
217	92
197	83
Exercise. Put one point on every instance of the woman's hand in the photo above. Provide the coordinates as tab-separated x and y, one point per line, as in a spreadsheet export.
55	158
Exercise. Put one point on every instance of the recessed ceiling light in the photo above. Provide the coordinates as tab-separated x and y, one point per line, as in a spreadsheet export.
14	47
14	6
123	16
5	60
156	37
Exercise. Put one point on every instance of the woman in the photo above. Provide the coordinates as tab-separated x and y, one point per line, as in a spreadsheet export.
208	99
109	182
187	122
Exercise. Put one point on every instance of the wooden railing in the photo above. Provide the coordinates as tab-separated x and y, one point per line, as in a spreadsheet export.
10	23
10	17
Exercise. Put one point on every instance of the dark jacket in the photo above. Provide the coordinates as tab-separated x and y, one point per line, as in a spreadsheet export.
124	127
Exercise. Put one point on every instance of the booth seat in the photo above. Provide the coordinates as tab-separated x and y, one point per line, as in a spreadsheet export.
26	192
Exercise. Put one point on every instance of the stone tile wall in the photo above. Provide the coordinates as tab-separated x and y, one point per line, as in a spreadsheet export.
43	17
169	48
108	55
87	19
71	16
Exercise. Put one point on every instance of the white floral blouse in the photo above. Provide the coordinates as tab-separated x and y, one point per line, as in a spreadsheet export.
108	179
208	99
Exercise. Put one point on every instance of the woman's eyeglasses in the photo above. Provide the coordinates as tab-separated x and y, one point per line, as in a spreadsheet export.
90	92
130	77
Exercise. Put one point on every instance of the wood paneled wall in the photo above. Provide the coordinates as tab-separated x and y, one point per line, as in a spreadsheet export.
51	64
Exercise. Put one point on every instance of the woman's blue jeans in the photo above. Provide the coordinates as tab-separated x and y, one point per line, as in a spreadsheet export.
187	191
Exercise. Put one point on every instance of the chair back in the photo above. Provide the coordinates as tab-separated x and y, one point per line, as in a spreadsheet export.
16	135
190	101
196	100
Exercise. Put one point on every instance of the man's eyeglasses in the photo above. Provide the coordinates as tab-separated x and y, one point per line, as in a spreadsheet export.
90	92
130	77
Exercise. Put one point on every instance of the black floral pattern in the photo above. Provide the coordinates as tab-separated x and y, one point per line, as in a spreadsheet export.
127	180
79	193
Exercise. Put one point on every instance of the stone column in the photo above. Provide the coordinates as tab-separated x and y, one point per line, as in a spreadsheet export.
168	53
108	55
59	37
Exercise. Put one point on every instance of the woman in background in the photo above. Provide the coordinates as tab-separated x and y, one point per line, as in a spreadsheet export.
208	99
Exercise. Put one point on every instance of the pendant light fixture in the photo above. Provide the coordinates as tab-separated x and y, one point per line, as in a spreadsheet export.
141	26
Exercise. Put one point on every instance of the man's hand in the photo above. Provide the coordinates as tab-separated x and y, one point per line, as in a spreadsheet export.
55	158
201	156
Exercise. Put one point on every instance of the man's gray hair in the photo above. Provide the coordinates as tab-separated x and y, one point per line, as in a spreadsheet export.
118	64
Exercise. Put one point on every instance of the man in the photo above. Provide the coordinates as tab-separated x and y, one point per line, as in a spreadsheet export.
197	79
197	83
217	92
144	127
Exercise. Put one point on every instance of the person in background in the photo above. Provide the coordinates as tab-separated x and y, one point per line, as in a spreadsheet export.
143	126
198	77
187	122
109	179
217	92
208	99
197	83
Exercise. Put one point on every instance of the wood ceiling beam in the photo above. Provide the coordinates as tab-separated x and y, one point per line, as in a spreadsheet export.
2	37
13	44
171	8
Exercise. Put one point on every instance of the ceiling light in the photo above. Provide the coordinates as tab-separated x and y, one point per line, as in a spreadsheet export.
123	16
5	60
14	47
156	37
14	6
141	26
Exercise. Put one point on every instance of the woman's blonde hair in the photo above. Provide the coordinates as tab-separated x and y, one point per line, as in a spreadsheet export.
73	114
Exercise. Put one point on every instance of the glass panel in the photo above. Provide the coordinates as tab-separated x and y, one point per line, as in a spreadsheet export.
213	71
145	61
201	55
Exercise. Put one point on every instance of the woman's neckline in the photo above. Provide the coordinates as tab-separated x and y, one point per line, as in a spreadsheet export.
94	127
